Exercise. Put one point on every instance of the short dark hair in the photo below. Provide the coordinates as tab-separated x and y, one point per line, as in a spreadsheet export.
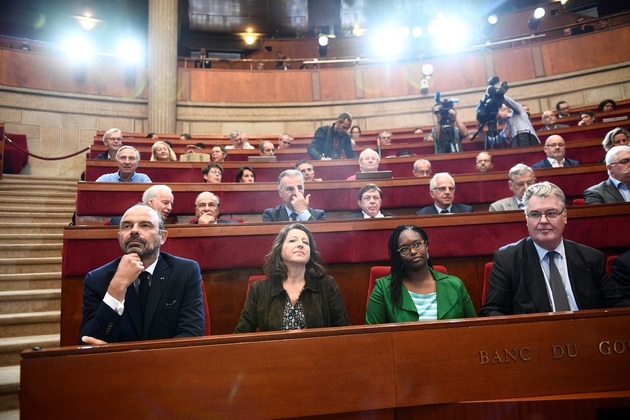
301	162
587	112
274	265
186	136
210	166
560	103
344	116
603	103
369	187
241	172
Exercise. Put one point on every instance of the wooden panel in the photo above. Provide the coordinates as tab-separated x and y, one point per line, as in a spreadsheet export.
458	72
514	64
384	80
337	84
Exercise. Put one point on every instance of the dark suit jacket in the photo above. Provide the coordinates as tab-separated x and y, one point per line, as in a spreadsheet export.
545	163
621	273
604	192
455	208
174	308
555	127
359	215
102	156
517	284
195	221
279	214
323	144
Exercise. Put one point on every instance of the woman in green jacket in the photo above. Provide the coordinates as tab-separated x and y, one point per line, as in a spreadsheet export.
413	291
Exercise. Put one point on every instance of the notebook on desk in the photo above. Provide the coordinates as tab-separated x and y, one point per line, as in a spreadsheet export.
374	175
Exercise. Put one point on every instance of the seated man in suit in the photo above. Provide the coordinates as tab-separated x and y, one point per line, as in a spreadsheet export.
308	172
544	272
146	294
615	188
295	205
621	273
554	149
483	162
128	159
442	190
266	148
112	139
368	162
207	209
549	121
158	197
370	200
421	168
284	142
521	177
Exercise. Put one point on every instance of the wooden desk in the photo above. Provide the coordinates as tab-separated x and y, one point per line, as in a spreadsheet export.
414	370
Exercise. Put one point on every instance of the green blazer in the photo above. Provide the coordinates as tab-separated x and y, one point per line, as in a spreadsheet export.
453	301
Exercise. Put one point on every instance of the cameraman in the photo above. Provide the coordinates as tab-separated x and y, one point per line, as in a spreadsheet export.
516	121
447	137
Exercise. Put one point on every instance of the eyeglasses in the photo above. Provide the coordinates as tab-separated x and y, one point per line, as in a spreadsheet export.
621	162
218	173
416	246
114	139
549	214
443	189
204	205
524	184
554	145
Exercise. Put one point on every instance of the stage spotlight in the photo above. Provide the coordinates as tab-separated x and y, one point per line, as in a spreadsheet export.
387	43
493	19
424	86
539	12
533	22
427	71
416	32
403	32
130	52
323	45
432	29
77	48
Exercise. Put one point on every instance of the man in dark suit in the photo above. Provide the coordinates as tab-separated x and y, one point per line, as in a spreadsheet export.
295	206
549	121
615	188
555	149
544	272
442	190
621	273
370	199
112	139
207	209
145	294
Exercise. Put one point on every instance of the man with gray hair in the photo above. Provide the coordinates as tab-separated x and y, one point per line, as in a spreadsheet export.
266	148
330	140
295	204
521	177
615	188
368	162
284	142
421	168
112	139
442	190
239	141
384	138
128	159
544	272
158	197
207	209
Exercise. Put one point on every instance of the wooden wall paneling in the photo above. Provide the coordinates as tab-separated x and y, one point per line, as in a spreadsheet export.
337	84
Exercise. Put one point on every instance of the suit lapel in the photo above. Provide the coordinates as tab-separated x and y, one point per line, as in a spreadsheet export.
610	188
281	214
158	284
534	278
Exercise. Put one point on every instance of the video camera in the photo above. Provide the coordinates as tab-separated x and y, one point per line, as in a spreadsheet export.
487	110
445	106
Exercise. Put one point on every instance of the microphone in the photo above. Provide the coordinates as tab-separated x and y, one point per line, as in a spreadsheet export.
437	97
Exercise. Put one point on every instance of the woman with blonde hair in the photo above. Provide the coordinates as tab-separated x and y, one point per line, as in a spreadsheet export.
161	151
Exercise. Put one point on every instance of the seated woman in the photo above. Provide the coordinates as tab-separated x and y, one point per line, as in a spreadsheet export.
161	151
355	134
615	137
297	293
246	174
218	154
413	291
587	118
607	105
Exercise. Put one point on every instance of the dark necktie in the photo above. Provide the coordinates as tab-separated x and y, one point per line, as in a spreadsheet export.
444	211
294	216
143	291
560	299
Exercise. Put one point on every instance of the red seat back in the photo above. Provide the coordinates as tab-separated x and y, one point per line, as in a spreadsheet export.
206	311
609	261
486	274
579	202
379	271
253	279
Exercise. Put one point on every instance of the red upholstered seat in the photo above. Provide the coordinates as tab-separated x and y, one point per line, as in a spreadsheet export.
253	279
379	271
579	202
609	261
206	311
14	159
486	274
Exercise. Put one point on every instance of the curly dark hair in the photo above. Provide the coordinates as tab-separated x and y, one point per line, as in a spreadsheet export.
603	103
274	265
396	266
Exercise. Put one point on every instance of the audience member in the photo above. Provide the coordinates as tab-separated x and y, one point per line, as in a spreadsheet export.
266	148
239	141
421	168
308	172
615	188
370	199
483	162
587	118
355	134
583	28
212	173
517	123
161	151
567	32
413	291
563	109
368	162
621	273
549	121
194	148
616	137
442	190
219	154
384	138
203	62
207	209
447	137
284	142
260	65
297	293
330	140
246	174
526	108
521	177
554	149
295	204
152	136
128	159
158	197
115	296
185	136
602	24
544	272
112	139
607	105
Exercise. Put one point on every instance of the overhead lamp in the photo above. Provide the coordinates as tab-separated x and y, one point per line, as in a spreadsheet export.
427	71
323	45
493	19
416	32
403	32
533	21
539	12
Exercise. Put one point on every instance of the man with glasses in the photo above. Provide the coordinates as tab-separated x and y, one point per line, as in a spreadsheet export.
370	199
563	109
421	168
112	139
615	188
330	140
284	142
128	159
521	177
442	190
483	162
544	272
554	149
212	173
295	204
207	209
